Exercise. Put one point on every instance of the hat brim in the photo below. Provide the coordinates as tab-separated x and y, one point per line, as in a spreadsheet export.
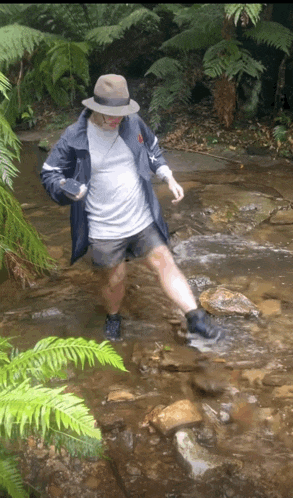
121	110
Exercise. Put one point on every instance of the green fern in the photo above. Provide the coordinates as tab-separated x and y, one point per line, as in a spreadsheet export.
280	133
164	67
236	10
193	39
10	477
15	40
18	237
51	354
272	34
230	58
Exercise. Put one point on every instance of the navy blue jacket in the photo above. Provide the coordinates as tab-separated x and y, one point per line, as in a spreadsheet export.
70	158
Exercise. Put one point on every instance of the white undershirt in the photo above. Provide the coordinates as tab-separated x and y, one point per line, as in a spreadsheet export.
116	202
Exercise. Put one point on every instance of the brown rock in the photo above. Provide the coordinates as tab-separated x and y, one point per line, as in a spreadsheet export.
283	392
182	413
55	492
92	482
120	395
254	376
283	217
222	301
270	307
180	359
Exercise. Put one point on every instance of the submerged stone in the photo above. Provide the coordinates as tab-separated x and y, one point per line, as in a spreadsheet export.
180	414
198	459
222	301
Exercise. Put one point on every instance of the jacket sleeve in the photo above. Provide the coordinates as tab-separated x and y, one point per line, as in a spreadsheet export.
59	165
157	161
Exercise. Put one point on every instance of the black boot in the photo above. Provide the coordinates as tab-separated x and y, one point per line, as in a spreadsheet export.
112	328
200	323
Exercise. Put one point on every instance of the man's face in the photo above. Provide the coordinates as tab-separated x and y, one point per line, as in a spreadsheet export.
111	122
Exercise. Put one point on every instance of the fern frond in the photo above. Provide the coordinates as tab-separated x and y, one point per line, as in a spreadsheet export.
67	56
19	237
165	95
193	39
280	133
230	58
139	16
51	354
34	406
272	34
10	478
164	66
8	170
252	10
15	40
104	35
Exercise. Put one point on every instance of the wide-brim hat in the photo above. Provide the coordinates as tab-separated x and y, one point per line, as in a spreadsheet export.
111	97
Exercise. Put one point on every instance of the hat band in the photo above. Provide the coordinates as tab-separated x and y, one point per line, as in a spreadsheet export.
114	102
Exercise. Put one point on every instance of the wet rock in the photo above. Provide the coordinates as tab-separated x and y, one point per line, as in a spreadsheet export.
48	313
110	421
208	383
270	307
243	413
206	436
254	376
221	301
283	217
179	359
180	414
275	379
283	392
151	415
120	395
133	469
197	459
252	150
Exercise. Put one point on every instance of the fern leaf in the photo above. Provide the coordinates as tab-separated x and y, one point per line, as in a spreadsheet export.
51	354
66	56
7	169
193	39
164	67
272	34
36	406
105	35
138	16
15	40
10	478
19	237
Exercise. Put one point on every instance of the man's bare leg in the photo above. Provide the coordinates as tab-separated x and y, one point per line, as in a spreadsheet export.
113	289
171	278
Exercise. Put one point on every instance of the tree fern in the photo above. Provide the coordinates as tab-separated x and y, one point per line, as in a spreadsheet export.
10	477
192	39
237	10
105	35
272	34
230	58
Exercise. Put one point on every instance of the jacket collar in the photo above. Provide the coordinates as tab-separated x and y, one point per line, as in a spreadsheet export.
77	133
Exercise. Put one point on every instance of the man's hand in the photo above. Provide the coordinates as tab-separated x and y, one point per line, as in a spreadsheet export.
176	189
80	195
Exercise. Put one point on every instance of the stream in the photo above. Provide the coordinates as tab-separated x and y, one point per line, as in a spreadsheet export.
233	229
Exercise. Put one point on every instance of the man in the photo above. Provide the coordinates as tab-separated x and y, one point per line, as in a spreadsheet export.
111	152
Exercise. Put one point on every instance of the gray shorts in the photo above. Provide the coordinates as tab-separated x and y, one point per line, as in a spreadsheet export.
107	253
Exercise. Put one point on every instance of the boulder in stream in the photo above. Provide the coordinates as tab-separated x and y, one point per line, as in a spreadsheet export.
221	301
179	414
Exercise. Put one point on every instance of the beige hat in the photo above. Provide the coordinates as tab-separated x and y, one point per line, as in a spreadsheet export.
111	97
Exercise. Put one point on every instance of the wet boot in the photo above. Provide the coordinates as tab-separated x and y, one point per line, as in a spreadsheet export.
201	326
112	328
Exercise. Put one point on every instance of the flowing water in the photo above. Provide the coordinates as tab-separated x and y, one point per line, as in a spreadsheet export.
255	359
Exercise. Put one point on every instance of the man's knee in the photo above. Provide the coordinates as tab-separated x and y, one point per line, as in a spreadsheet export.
160	257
